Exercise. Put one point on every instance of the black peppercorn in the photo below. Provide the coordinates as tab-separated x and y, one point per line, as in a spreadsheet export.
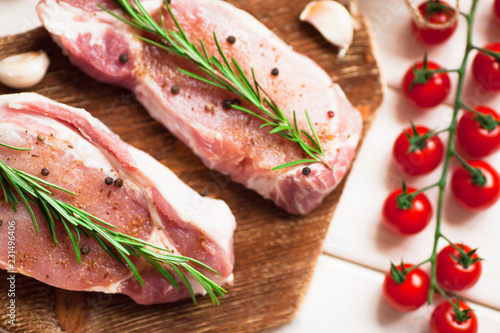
227	104
231	39
1	222
236	102
45	172
85	249
275	72
118	182
175	89
306	171
123	58
108	181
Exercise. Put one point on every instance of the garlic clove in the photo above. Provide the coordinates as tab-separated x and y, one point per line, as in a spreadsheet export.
333	21
24	70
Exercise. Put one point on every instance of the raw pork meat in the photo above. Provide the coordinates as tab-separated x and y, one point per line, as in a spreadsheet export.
153	204
228	141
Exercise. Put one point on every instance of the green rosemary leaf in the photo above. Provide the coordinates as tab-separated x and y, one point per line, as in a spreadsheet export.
280	128
48	219
145	17
222	73
207	58
256	84
313	141
201	78
287	165
133	268
317	142
106	248
243	77
307	149
175	20
11	175
73	241
24	200
238	107
159	45
185	280
12	147
10	196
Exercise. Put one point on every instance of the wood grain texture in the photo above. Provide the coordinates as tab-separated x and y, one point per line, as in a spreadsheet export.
275	252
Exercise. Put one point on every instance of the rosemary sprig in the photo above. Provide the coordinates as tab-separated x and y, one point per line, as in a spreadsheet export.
18	186
225	74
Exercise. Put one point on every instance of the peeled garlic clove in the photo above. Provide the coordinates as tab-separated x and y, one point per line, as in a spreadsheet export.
24	70
333	21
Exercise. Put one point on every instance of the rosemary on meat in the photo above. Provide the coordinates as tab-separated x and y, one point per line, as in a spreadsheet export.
227	75
20	187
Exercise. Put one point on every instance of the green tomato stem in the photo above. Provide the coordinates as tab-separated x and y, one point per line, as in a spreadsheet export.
494	54
450	152
422	190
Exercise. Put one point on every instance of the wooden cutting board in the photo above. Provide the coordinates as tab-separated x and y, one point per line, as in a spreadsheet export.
275	252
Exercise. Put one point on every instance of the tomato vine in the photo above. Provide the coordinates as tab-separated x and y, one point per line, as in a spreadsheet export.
475	174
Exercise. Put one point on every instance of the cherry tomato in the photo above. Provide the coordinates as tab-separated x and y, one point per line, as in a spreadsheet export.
496	9
444	319
486	69
435	15
407	221
452	273
471	195
426	156
409	295
476	140
426	95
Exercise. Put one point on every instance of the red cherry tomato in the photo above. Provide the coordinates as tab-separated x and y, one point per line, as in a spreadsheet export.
452	274
424	159
444	320
486	69
407	221
437	16
473	138
409	295
426	95
471	195
496	9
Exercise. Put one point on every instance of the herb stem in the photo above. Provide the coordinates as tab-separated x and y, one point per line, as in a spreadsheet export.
20	187
450	152
227	75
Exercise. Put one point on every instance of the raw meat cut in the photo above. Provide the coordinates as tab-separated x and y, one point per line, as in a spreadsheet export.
228	141
153	204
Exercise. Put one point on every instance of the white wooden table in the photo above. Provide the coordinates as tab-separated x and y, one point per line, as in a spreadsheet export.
345	292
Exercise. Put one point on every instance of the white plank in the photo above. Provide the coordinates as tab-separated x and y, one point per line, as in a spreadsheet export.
346	298
17	16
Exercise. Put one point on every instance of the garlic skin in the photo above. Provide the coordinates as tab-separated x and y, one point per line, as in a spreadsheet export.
333	21
24	70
